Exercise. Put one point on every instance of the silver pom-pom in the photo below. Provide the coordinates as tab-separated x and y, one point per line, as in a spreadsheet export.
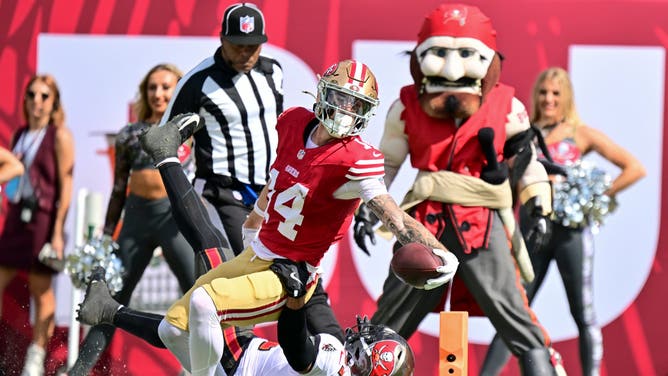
96	252
579	198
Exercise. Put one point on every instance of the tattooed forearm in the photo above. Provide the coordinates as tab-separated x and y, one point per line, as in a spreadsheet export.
414	231
403	226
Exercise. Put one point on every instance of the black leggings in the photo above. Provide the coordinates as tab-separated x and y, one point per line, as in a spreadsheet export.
147	224
572	250
189	212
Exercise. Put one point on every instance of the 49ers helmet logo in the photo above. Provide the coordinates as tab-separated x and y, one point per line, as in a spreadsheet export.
330	71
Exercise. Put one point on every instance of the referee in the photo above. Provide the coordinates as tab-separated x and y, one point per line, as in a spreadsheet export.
239	95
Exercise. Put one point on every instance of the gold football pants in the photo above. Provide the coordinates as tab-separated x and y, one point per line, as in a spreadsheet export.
244	290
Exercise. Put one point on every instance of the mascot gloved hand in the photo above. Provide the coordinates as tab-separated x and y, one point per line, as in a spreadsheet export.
540	227
365	221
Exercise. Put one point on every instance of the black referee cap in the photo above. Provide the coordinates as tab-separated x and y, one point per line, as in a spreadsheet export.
243	23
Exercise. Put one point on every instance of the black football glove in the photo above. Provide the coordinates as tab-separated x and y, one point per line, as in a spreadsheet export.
365	220
494	172
293	276
539	230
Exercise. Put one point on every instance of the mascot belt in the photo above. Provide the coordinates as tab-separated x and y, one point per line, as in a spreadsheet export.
454	188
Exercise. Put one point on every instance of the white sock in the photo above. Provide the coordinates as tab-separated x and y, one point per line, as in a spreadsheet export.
177	342
206	337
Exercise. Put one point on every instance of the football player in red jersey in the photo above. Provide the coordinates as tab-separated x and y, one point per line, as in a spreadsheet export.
322	170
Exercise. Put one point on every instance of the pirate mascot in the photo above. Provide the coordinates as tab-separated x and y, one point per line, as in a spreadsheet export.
470	140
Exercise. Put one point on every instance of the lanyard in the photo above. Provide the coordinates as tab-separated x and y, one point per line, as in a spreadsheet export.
22	151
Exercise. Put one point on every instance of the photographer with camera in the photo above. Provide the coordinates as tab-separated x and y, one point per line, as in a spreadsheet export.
38	205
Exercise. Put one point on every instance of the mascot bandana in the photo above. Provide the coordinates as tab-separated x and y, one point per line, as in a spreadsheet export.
455	62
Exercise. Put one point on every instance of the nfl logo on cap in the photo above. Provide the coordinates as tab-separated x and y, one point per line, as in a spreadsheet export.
247	24
243	23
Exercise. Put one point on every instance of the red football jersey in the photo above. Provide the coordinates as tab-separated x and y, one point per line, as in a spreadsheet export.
303	218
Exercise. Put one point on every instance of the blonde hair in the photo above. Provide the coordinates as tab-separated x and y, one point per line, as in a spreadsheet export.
566	96
57	116
141	107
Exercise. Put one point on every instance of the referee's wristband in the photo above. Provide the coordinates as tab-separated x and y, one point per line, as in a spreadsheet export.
258	211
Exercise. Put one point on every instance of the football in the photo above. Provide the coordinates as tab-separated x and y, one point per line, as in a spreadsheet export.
415	263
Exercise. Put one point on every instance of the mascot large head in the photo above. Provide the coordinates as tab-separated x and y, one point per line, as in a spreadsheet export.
455	62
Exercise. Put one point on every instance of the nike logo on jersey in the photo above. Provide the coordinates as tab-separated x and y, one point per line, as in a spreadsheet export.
376	154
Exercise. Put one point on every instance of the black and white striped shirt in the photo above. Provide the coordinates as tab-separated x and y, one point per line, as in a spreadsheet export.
240	112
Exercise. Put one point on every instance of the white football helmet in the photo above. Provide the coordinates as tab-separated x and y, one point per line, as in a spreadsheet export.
376	350
347	98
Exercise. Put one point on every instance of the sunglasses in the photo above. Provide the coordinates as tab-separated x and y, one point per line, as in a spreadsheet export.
32	94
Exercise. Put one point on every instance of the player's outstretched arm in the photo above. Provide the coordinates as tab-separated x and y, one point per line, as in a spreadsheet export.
402	225
408	230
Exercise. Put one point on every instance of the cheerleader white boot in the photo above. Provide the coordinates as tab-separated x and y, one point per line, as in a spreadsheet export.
34	364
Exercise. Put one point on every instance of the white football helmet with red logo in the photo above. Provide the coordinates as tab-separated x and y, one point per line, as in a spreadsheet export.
347	98
376	350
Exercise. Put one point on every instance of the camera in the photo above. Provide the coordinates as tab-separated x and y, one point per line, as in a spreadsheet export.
28	207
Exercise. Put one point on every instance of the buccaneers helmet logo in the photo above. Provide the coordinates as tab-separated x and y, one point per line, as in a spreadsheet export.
456	15
383	356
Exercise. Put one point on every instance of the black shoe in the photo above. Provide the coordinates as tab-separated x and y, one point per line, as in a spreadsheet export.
98	306
162	142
